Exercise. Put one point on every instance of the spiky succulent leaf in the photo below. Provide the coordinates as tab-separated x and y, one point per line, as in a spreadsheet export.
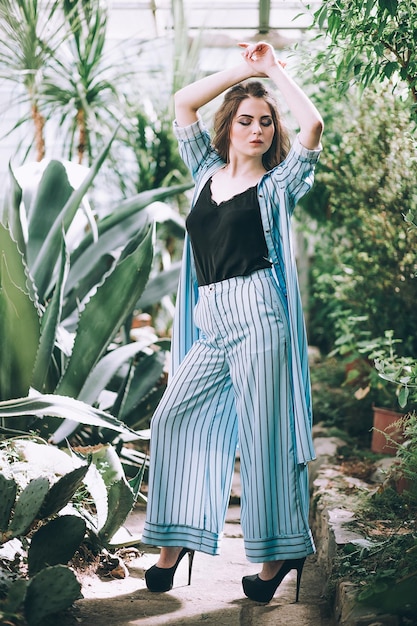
53	589
27	506
105	312
49	325
19	320
51	196
119	496
107	367
123	211
63	407
10	212
88	268
62	491
8	489
55	542
16	593
120	501
48	253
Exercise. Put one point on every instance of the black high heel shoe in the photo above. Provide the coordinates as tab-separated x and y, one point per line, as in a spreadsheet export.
162	578
263	590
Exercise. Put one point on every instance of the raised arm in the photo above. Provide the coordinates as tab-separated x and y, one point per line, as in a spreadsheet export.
259	61
190	98
261	57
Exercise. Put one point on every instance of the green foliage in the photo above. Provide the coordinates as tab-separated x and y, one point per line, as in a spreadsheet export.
383	564
370	42
365	261
407	456
28	45
54	291
27	520
52	590
386	572
58	475
47	546
37	538
335	405
77	80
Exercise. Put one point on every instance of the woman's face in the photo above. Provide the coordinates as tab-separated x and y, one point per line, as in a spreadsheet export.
252	129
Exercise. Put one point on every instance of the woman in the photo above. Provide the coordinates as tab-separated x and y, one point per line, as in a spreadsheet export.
239	364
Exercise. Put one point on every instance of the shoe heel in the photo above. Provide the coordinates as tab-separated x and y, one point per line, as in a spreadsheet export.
190	565
162	578
300	566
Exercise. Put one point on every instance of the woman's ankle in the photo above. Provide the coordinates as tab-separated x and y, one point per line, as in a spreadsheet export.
168	556
270	569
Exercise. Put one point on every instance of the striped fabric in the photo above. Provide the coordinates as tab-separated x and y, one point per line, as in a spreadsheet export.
232	387
239	376
279	191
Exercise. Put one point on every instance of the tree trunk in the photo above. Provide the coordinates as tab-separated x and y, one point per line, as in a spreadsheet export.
82	144
39	122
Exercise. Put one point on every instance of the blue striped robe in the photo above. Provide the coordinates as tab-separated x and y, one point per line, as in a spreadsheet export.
278	193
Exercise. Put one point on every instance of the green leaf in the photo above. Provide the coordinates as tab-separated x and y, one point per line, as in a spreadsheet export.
104	314
52	590
107	367
28	506
19	320
164	283
320	16
135	483
63	407
15	596
391	6
62	491
369	4
51	196
148	379
403	396
88	268
119	496
48	253
97	380
125	210
10	214
50	322
55	542
120	503
390	68
8	489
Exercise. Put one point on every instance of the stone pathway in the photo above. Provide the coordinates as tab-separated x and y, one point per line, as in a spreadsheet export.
215	597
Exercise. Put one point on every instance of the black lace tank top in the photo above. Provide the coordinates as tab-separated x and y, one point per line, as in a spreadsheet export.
227	238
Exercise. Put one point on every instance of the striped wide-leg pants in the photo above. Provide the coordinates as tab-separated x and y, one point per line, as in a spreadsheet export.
233	388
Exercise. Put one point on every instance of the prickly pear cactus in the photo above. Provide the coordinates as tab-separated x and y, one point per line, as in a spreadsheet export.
8	489
55	542
53	589
28	506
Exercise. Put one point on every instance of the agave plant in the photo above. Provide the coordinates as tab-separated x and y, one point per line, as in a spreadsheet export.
63	306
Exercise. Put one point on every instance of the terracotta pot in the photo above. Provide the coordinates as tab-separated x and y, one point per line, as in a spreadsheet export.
385	424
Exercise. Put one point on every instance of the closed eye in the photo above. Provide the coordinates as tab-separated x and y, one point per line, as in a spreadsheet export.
246	120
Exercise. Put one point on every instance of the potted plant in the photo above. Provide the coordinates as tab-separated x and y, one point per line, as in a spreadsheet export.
375	371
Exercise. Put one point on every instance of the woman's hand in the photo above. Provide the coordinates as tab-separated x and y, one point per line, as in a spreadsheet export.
260	56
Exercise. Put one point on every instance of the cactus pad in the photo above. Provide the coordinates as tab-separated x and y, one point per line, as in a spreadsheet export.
53	589
28	506
55	542
8	490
